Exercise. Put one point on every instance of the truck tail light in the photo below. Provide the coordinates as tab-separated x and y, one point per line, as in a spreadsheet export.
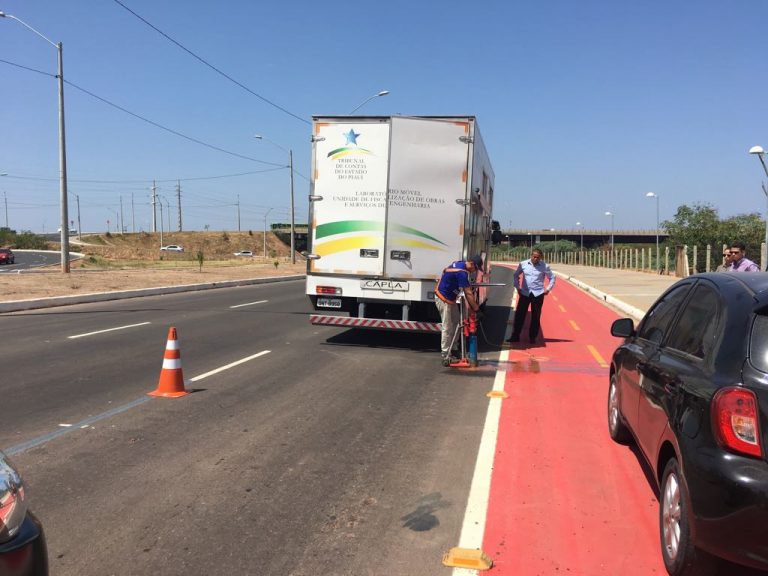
334	290
735	419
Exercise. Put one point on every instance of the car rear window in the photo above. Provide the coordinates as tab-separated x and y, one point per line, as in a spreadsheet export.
758	343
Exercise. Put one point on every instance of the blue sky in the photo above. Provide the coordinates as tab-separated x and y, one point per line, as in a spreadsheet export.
584	106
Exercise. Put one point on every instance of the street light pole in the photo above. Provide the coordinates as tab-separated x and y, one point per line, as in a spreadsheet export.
758	150
293	212
613	256
581	242
364	102
64	216
656	196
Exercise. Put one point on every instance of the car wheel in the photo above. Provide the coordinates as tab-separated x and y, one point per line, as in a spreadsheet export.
681	557
616	427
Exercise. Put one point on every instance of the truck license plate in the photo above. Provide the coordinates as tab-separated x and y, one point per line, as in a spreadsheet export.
329	302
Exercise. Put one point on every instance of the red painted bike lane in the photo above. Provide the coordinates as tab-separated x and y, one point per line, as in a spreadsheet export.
564	498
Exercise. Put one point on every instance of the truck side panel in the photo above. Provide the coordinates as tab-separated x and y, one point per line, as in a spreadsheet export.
427	186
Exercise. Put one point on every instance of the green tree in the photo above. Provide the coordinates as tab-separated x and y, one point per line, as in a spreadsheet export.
700	225
747	228
696	225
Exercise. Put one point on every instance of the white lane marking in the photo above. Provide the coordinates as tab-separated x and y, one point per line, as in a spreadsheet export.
65	427
228	366
68	428
249	304
108	330
475	515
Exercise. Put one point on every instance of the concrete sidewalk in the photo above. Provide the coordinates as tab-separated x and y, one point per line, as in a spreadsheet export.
630	292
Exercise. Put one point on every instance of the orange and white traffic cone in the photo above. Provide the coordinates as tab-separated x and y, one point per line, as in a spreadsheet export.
171	383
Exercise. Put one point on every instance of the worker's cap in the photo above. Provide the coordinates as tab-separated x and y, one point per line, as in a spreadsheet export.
478	262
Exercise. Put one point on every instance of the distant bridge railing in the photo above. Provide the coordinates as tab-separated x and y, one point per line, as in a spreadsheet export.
679	261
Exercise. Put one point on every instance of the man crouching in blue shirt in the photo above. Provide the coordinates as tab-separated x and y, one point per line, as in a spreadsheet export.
455	279
531	293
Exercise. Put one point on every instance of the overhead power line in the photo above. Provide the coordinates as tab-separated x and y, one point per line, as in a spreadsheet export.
148	121
174	132
211	66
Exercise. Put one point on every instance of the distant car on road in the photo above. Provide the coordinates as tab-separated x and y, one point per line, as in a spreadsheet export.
172	248
690	386
244	253
7	256
23	551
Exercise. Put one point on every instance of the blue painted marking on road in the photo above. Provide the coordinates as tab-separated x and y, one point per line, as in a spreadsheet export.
87	422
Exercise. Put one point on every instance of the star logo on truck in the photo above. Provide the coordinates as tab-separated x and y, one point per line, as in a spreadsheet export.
350	148
351	137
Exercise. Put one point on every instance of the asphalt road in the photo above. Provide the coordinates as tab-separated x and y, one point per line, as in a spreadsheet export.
325	452
24	259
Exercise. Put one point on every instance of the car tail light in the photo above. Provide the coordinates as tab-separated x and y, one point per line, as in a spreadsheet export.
336	291
735	417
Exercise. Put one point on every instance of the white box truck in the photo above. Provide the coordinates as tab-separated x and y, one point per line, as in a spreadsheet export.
393	201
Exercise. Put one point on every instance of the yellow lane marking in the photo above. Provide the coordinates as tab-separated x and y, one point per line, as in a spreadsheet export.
562	308
574	325
597	356
554	297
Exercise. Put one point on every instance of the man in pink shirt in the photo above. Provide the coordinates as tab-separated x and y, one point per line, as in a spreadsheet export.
739	261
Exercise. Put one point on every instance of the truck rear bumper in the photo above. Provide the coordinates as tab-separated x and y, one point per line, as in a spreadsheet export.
375	323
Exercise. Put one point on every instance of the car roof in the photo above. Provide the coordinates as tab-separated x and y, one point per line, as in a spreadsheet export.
754	283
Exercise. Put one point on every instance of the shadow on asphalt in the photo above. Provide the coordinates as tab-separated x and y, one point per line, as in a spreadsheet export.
490	336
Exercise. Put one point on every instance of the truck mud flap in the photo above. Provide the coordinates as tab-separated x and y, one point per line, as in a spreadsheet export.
375	323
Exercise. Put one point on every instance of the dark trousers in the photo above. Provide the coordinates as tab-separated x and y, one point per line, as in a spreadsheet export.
536	303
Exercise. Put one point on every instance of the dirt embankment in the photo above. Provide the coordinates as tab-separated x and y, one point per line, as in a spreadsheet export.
134	261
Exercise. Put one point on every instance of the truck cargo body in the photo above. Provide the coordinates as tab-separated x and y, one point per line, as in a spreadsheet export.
393	201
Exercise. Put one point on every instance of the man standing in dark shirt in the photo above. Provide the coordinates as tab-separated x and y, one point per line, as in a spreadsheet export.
454	280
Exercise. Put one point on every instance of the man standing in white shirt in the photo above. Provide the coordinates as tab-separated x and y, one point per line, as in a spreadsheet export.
531	293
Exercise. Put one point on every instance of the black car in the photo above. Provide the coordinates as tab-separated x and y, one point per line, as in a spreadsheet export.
690	386
23	550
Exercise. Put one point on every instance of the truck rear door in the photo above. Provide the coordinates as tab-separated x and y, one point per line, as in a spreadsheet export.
348	224
427	176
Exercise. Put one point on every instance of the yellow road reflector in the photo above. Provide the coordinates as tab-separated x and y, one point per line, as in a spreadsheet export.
466	558
497	394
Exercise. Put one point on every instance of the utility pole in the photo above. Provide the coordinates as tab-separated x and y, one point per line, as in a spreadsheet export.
154	209
79	225
178	200
5	198
161	224
133	215
122	223
238	212
265	233
293	223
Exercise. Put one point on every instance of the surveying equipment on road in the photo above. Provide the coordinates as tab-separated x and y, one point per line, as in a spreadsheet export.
466	331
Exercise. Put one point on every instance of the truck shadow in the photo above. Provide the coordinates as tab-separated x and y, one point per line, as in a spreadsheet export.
490	335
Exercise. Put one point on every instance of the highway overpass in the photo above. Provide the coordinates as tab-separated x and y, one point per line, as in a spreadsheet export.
587	237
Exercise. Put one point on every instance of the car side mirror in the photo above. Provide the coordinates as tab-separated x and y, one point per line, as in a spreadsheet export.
623	328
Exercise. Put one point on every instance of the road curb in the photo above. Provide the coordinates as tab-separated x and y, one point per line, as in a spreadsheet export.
635	313
19	305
